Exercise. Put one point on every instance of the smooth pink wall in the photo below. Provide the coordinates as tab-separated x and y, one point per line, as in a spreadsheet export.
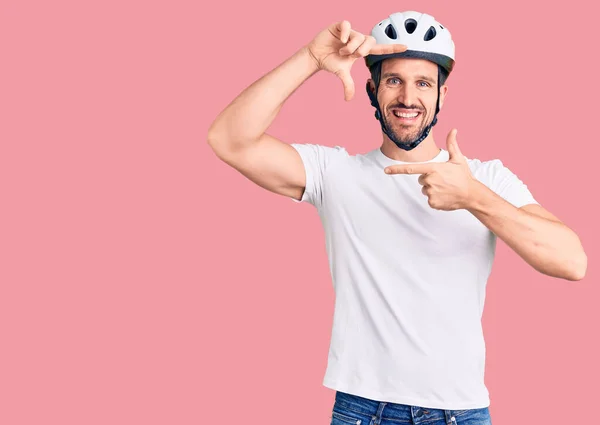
143	281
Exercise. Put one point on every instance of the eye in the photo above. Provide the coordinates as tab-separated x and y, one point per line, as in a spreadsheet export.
392	79
426	84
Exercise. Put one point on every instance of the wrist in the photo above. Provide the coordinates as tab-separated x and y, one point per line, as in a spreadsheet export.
310	58
476	192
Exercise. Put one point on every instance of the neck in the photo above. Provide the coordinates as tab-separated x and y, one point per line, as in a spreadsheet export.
426	150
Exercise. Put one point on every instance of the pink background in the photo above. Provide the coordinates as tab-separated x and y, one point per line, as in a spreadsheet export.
143	281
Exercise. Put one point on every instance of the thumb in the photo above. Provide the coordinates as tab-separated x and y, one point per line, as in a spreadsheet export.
348	83
452	145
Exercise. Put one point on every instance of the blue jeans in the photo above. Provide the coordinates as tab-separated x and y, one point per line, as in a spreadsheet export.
350	409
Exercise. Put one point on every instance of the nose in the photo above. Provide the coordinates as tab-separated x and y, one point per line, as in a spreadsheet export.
408	96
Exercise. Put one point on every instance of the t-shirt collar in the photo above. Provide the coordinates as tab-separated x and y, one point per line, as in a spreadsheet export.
442	156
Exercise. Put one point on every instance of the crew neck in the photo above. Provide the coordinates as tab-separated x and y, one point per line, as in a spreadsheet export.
440	157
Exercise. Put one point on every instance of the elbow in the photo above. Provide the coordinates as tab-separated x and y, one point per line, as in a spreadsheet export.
576	263
212	144
578	267
211	137
221	142
216	133
223	149
216	143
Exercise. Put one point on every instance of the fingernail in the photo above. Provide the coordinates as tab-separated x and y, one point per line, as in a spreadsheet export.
387	171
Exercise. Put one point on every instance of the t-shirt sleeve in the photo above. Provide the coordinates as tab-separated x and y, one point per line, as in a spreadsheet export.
316	160
507	185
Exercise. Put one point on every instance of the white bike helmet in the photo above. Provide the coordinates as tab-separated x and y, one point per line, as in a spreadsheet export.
425	38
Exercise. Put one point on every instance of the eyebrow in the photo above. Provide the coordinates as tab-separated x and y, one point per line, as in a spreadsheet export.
418	77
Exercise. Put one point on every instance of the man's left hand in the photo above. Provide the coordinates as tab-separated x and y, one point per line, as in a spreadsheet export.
448	185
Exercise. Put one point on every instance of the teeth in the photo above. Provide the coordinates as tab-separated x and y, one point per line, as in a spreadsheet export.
398	114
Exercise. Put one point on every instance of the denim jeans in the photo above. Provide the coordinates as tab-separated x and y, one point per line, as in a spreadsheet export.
350	409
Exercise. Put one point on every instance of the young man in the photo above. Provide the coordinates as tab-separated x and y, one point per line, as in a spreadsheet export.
411	250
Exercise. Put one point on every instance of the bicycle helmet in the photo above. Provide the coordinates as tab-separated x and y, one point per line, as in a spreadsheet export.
425	38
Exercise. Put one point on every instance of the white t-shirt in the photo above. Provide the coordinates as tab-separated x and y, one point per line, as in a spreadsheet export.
409	280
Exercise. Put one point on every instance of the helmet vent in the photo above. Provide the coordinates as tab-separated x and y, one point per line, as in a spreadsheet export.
391	32
430	34
410	25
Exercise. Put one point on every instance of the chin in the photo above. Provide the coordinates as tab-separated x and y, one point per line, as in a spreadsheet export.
402	136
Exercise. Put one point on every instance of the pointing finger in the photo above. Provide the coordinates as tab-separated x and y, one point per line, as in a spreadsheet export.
383	49
411	169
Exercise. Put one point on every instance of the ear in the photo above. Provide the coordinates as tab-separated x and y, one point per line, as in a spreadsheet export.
443	91
371	84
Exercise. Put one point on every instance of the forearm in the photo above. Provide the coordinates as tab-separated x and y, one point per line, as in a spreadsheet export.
548	246
251	113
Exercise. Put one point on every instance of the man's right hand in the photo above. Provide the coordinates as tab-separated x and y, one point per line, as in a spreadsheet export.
337	47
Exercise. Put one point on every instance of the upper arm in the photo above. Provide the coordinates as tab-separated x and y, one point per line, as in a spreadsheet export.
271	164
514	190
508	185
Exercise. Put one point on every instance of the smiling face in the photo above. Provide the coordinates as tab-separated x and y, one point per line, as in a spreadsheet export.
407	96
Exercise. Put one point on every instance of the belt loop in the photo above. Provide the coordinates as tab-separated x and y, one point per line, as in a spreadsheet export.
377	419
